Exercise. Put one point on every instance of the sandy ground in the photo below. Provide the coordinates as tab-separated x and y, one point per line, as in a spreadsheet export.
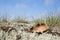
17	32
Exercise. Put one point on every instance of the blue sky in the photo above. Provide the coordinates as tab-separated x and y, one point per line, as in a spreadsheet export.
29	8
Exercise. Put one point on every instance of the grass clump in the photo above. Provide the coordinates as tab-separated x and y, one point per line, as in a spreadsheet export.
20	20
53	21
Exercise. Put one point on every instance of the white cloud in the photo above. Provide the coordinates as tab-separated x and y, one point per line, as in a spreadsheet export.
21	6
49	2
